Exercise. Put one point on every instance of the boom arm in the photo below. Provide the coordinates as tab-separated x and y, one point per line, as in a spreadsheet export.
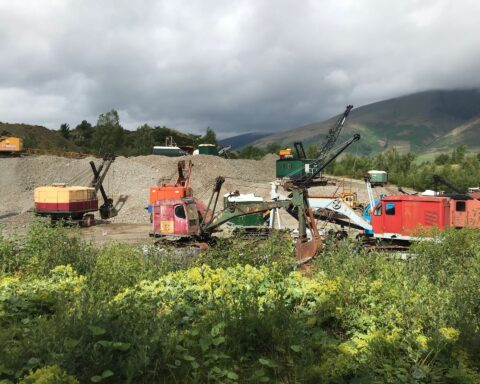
342	148
236	210
107	210
300	150
333	133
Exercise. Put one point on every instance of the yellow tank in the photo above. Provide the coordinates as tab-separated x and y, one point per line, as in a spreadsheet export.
60	198
11	144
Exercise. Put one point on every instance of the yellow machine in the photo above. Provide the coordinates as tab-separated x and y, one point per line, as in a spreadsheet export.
11	145
286	153
59	201
350	198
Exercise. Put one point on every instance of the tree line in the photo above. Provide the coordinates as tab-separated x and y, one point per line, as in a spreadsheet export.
406	170
109	136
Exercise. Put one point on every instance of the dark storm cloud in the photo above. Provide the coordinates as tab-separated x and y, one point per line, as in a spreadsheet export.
233	65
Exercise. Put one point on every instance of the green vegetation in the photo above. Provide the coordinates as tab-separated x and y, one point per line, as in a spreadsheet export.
430	121
460	168
70	312
108	136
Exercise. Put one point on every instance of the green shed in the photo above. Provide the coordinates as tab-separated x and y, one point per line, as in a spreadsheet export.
207	149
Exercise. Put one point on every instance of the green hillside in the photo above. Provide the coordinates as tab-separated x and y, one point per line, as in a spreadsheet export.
423	122
38	137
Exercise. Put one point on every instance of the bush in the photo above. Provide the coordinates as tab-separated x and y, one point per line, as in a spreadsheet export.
48	375
239	313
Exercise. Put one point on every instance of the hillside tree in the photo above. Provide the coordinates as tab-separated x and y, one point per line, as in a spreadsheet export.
65	130
109	135
209	138
82	134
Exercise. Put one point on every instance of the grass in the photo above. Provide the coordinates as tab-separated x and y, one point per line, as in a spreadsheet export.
240	313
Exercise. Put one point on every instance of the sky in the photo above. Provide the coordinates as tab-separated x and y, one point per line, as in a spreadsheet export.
236	66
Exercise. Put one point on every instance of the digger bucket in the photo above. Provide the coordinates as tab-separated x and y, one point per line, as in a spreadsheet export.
307	250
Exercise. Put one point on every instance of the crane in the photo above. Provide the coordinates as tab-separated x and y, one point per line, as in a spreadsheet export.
300	168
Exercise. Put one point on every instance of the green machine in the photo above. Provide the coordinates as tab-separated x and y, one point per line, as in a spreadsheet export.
252	220
208	149
296	166
378	177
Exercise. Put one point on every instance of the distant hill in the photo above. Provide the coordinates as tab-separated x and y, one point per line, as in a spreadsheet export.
431	121
38	137
240	141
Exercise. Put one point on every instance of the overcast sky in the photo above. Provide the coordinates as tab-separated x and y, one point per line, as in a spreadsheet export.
236	66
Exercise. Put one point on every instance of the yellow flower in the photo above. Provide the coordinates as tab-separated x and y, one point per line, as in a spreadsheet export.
450	334
422	341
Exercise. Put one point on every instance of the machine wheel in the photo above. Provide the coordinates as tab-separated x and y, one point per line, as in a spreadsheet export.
88	220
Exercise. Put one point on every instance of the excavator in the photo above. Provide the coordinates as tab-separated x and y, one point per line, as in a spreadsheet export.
185	218
181	218
76	203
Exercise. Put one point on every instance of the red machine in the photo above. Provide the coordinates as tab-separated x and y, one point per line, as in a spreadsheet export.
402	217
176	217
178	190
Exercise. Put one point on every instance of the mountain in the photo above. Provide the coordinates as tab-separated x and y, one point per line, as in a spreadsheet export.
240	141
38	137
430	121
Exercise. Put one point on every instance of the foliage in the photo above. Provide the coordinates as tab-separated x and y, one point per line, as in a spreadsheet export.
109	135
82	134
209	138
65	130
48	375
239	313
312	151
461	169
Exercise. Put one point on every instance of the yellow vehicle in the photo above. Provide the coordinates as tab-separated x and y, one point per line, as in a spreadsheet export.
350	198
10	145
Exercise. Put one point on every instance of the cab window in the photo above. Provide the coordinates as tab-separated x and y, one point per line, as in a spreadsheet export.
180	212
460	206
378	210
390	209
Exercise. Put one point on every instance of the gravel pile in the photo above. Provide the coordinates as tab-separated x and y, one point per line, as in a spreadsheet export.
128	180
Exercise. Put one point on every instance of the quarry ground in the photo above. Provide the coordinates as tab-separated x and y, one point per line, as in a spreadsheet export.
128	183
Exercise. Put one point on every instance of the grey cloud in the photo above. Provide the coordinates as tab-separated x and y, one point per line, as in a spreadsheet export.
236	66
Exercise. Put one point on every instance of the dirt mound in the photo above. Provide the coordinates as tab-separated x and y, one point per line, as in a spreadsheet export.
129	179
